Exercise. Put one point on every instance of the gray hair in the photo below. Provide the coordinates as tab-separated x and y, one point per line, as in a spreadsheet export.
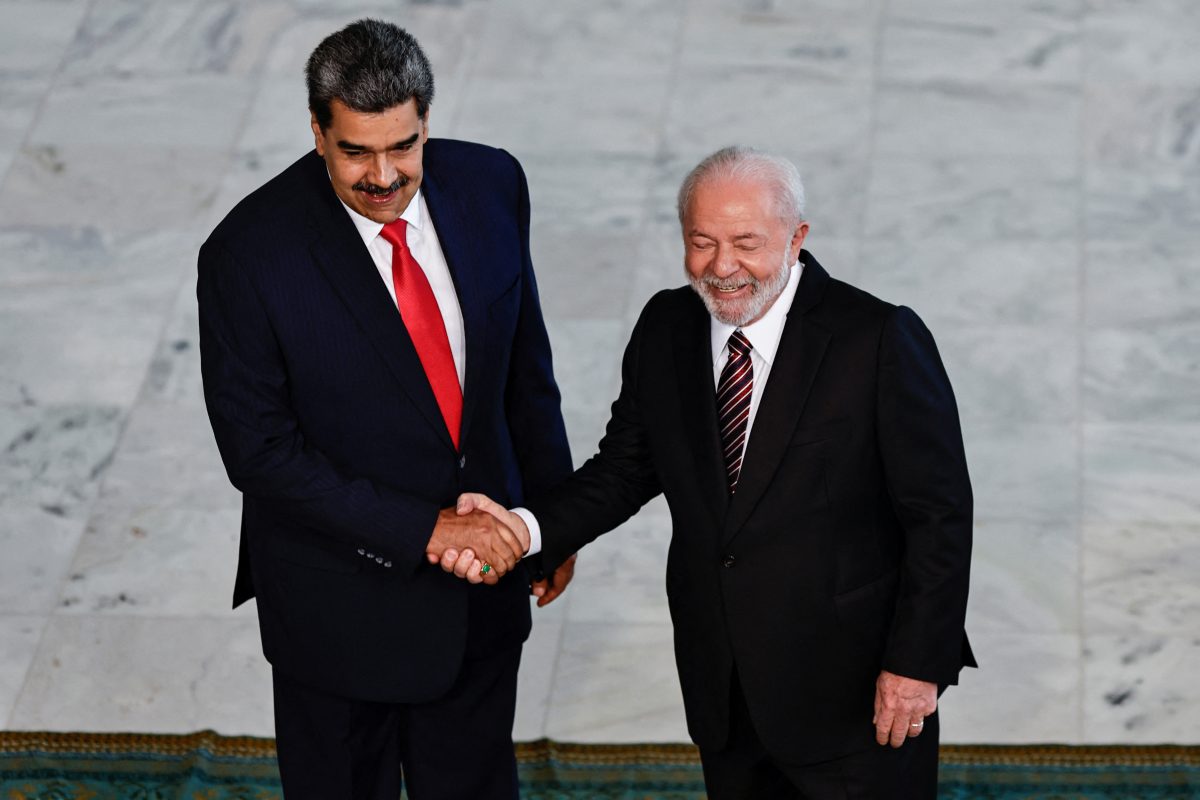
370	66
748	164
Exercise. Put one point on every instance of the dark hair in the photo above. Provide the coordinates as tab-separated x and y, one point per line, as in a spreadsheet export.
370	66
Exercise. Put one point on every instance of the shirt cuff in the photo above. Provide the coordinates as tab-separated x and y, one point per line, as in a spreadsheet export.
535	530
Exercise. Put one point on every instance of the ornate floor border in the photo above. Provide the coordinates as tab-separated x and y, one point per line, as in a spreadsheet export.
251	747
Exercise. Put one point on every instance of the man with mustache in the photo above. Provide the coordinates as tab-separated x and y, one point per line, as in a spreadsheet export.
372	346
807	441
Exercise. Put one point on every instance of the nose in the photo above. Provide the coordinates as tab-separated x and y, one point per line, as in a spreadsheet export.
382	173
724	264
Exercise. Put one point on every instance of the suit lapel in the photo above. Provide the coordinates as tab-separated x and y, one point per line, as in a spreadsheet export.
801	350
693	359
339	252
454	235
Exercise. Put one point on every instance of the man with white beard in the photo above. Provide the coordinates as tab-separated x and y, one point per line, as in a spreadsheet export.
807	440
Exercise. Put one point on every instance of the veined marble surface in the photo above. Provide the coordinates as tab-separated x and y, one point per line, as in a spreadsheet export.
1025	175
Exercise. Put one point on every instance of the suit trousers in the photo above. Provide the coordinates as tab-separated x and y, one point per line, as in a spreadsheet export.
743	769
458	746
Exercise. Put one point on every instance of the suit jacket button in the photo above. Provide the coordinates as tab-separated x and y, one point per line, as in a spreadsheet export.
370	555
362	552
728	561
387	564
462	461
378	559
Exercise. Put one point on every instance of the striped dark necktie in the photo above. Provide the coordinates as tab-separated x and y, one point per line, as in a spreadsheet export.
733	404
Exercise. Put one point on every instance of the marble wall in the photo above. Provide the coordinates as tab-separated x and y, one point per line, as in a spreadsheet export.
1026	175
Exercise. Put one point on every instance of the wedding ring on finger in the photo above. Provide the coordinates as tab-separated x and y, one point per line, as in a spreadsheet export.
920	724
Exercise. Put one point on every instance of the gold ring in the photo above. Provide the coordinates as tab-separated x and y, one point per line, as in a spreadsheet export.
485	569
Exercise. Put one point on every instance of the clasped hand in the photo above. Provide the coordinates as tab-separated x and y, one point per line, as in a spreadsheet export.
466	560
486	536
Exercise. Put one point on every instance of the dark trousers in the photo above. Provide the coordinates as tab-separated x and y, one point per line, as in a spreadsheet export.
458	746
743	770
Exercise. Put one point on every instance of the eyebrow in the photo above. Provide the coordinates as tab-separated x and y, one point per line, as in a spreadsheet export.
344	145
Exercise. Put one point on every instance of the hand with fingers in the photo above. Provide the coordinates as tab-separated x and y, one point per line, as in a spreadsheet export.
901	706
495	547
547	590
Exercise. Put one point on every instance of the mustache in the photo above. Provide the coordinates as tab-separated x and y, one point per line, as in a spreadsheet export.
371	188
730	283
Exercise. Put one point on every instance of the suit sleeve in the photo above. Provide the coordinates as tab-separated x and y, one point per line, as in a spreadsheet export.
920	440
533	405
258	434
613	484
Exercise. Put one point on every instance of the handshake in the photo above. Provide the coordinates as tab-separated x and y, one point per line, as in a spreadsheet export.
482	541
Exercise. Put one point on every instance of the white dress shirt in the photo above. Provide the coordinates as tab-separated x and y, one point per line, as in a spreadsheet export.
764	336
427	250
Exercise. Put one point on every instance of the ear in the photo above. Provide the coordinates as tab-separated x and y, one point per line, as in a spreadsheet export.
318	136
797	242
425	126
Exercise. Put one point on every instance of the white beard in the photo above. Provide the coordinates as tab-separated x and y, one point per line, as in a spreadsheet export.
743	311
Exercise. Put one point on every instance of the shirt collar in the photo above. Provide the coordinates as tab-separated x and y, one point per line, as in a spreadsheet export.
368	228
765	333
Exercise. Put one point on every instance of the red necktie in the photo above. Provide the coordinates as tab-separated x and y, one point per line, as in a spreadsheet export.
423	318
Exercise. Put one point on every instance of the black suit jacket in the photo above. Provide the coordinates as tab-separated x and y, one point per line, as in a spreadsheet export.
327	424
846	547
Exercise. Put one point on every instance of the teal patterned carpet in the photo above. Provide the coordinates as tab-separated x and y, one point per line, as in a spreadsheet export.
206	766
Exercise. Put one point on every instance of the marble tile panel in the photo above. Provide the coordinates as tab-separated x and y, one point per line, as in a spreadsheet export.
173	377
144	38
1026	691
983	51
616	683
1142	42
81	343
1140	578
582	192
125	188
581	38
1023	13
837	255
621	576
248	169
1142	375
1024	578
155	561
168	458
69	258
1013	373
36	34
535	680
20	98
1140	126
195	111
1134	473
970	198
1023	472
597	115
977	119
1151	285
823	46
53	457
38	547
583	274
1138	689
659	265
20	634
863	12
712	107
587	362
1142	203
1026	283
448	33
149	675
